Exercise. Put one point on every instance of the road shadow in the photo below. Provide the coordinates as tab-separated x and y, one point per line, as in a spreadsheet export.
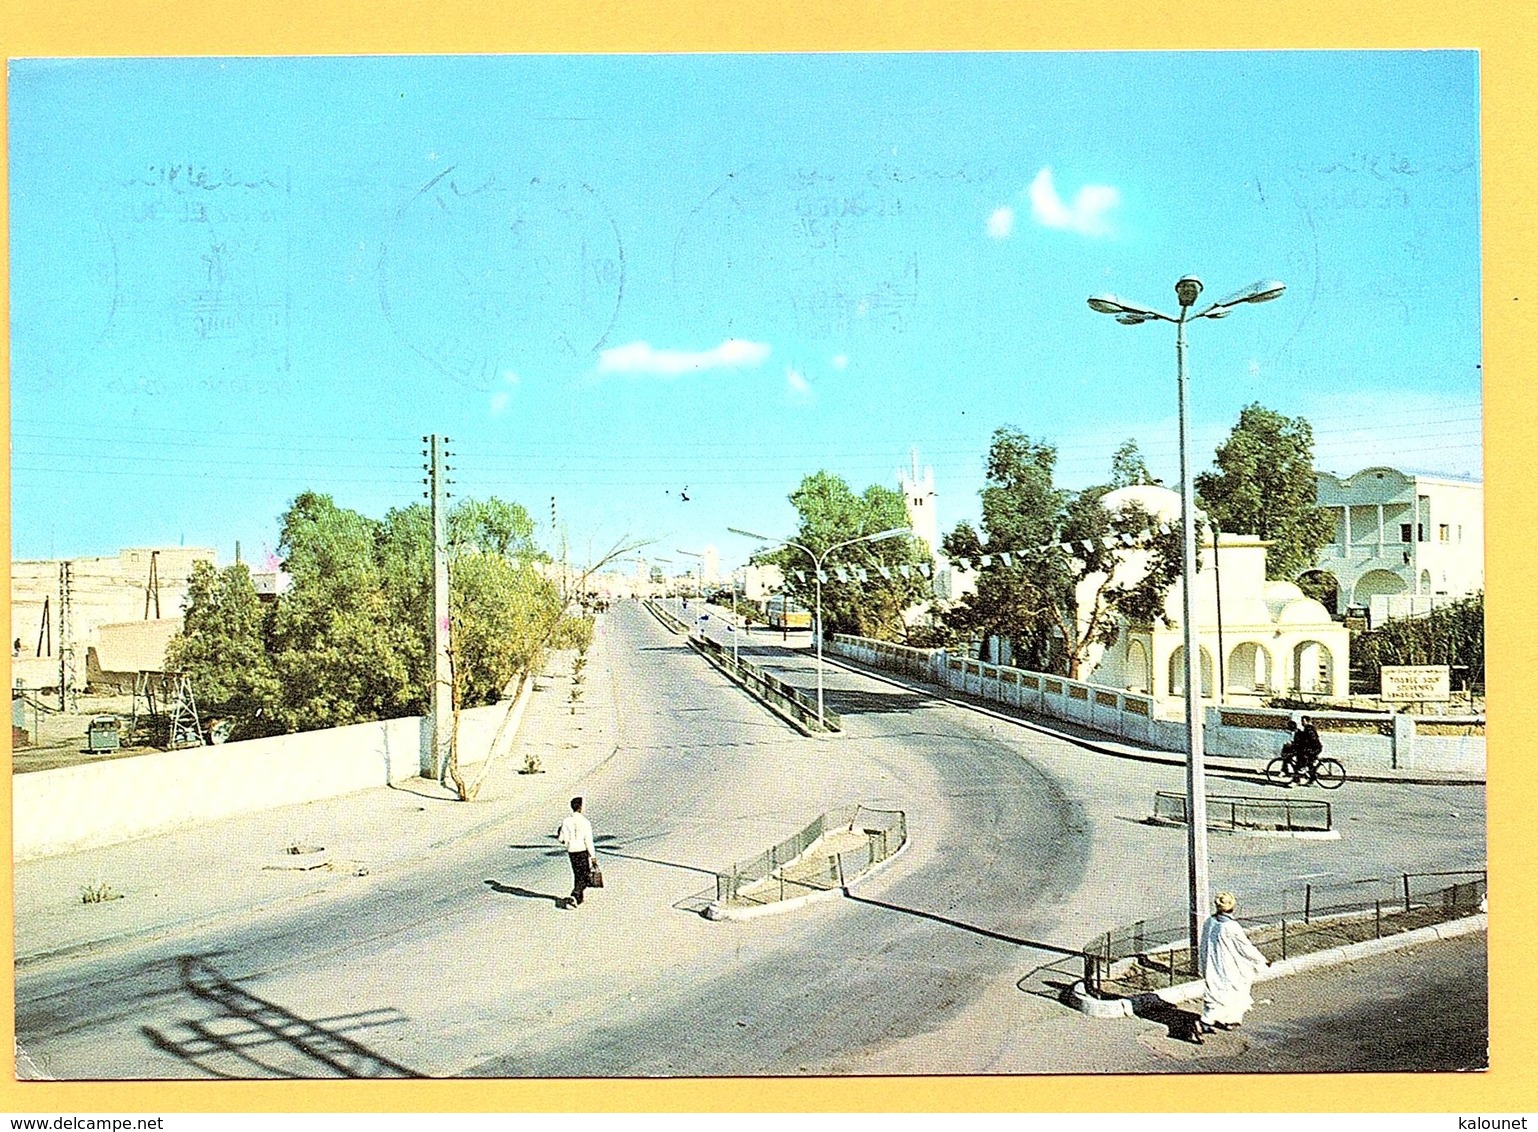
963	926
526	893
1180	1024
1054	980
251	1037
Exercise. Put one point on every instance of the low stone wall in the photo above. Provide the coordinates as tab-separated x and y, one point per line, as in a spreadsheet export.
1364	741
104	802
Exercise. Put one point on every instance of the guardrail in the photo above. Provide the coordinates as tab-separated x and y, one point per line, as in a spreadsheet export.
666	616
1142	957
1225	812
792	868
786	698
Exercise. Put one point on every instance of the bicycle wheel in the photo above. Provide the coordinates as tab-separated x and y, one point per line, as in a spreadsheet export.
1329	774
1277	773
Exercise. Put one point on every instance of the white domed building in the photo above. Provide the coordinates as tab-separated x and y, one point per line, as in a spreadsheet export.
1263	638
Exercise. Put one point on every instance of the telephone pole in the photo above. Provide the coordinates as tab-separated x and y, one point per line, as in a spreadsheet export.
66	645
436	759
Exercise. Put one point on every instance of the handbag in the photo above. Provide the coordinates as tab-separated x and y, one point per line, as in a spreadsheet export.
594	873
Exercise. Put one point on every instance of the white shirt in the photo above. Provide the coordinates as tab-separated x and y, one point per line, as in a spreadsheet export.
576	833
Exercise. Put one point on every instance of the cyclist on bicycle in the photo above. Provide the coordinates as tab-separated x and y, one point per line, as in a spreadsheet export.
1303	749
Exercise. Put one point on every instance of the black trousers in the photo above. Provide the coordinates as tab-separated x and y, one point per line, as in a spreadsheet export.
581	873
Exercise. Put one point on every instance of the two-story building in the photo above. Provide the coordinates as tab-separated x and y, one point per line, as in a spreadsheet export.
1403	543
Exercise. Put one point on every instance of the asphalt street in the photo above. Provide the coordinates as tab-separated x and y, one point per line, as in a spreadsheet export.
460	963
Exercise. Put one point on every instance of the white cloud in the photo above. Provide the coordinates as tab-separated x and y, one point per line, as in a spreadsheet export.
1085	216
800	388
1001	223
643	358
502	397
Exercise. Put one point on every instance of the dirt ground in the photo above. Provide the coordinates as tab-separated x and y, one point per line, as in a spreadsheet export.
43	737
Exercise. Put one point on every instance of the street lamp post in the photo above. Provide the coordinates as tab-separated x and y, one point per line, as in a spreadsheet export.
1130	314
699	568
817	561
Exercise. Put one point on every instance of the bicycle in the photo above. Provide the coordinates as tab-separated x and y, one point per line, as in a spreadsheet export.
1327	774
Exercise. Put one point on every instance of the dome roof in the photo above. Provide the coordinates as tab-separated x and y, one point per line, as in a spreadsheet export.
1290	606
1160	502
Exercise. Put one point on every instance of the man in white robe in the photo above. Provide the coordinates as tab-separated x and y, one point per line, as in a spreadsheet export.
1230	963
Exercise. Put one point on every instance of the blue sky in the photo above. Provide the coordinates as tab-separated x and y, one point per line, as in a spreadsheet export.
614	279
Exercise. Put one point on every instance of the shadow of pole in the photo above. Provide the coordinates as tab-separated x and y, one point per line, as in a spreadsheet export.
248	1023
1036	945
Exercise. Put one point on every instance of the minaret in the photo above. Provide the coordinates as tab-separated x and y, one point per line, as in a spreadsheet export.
919	499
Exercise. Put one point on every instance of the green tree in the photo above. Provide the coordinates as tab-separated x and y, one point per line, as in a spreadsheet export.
864	590
1264	485
337	643
1048	582
222	649
1127	466
1451	635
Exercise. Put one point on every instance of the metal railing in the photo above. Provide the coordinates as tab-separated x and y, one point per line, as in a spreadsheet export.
794	867
1235	813
771	689
1142	957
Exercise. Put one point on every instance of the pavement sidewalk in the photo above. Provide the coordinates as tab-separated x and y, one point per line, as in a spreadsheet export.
242	865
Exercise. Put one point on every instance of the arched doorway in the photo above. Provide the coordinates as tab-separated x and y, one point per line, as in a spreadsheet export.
1177	686
1313	668
1139	673
1249	668
1376	582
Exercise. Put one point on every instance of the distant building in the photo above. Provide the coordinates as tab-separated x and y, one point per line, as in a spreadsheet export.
143	584
1403	543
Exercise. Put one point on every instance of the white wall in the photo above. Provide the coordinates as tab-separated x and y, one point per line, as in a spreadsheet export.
100	803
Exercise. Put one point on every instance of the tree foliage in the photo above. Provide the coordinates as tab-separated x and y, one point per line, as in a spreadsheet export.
353	639
222	648
1452	635
1050	603
830	513
1264	485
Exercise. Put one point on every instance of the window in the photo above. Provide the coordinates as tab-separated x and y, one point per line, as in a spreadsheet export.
1404	533
1444	533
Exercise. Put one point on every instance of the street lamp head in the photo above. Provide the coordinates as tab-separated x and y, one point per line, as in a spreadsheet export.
882	535
1261	292
1187	289
749	534
1101	304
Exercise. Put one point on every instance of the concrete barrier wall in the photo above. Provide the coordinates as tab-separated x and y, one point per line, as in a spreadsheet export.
104	802
1364	741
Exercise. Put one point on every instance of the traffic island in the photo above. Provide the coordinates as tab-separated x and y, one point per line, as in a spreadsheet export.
819	862
1303	818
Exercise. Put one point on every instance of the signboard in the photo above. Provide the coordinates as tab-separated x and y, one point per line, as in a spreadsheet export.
1410	683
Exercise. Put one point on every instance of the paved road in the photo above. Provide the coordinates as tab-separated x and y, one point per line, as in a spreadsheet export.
463	965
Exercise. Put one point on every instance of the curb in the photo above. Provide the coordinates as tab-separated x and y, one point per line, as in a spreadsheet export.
715	912
1080	998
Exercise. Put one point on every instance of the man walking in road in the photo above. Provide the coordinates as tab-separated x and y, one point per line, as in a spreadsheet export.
576	834
1230	963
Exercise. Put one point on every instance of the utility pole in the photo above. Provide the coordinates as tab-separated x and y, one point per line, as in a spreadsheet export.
66	645
435	760
152	587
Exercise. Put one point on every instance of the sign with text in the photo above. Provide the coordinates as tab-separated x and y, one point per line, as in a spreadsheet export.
1409	683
